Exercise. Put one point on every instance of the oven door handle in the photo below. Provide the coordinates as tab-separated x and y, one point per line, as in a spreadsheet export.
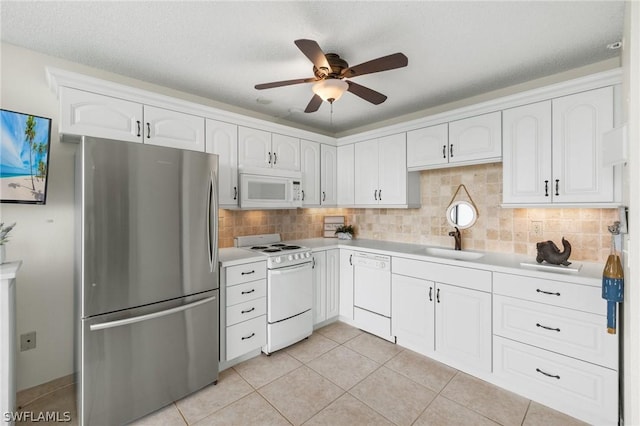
287	269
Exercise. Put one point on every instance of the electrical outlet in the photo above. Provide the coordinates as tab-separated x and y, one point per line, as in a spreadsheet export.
536	228
27	341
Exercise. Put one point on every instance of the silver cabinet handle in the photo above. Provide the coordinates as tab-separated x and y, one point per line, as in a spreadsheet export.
438	295
379	194
249	336
557	186
235	192
248	292
248	273
275	158
375	194
146	317
324	196
547	292
148	130
139	128
451	151
430	294
444	151
303	195
351	259
546	188
248	310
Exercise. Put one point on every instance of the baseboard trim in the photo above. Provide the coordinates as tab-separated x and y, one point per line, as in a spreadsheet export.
27	396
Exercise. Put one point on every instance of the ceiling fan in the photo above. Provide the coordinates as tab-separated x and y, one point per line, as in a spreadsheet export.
331	71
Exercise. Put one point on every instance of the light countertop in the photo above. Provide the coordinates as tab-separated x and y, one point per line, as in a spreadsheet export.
9	270
590	273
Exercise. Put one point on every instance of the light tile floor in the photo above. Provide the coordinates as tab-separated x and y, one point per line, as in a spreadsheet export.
340	376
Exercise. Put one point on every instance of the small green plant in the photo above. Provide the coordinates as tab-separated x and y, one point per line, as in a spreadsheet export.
4	231
345	229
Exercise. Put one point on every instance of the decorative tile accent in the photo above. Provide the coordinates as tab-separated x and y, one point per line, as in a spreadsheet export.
503	230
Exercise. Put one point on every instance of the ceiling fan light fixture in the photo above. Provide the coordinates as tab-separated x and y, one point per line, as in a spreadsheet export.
331	89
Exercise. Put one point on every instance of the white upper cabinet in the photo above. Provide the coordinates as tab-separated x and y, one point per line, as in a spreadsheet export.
254	148
310	167
579	121
472	140
428	146
475	138
346	174
90	114
328	175
526	159
553	151
259	148
222	139
381	172
286	152
173	129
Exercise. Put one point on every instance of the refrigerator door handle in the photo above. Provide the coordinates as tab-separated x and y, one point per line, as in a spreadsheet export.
212	228
146	317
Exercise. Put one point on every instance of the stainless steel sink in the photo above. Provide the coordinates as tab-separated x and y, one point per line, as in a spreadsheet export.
452	254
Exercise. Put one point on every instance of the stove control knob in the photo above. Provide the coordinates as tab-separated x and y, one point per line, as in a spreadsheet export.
278	259
290	257
295	256
307	255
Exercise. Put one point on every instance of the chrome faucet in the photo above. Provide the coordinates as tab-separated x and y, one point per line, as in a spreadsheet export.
457	237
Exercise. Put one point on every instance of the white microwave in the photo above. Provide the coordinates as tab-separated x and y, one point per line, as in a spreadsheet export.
270	189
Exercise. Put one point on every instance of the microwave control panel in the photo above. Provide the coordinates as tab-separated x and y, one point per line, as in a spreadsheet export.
297	191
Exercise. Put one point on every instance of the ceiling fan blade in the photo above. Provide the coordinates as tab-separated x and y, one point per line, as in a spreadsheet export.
365	93
312	51
284	83
385	63
314	104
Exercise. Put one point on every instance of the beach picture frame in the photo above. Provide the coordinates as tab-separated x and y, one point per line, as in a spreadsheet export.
25	142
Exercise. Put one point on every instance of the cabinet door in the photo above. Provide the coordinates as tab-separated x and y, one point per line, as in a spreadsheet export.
310	166
286	152
90	114
412	302
346	284
319	287
579	122
475	138
222	139
173	129
254	147
328	175
346	174
463	326
333	283
366	172
428	146
392	166
526	160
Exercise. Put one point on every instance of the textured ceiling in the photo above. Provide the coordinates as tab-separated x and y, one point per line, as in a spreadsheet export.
220	50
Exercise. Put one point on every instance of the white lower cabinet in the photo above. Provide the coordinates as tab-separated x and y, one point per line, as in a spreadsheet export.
346	285
550	344
577	388
326	281
446	320
243	308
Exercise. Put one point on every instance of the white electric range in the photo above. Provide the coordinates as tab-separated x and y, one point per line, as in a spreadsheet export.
289	289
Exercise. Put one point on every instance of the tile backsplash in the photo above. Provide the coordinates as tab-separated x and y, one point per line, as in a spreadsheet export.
497	229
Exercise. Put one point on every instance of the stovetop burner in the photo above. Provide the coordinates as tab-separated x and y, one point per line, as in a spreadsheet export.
290	247
271	250
258	247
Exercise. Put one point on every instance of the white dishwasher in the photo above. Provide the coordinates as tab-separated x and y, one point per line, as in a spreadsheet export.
372	293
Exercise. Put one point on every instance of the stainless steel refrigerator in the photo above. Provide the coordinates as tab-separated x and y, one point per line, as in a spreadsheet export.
147	277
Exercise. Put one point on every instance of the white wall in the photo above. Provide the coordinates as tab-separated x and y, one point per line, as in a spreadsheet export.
631	321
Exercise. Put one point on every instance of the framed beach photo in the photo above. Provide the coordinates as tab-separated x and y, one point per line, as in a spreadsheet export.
25	140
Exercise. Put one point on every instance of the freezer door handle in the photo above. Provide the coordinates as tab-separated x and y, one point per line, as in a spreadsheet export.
146	317
212	225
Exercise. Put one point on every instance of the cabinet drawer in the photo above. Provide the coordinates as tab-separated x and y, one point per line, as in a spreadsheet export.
248	291
246	336
246	310
577	334
580	389
557	293
475	279
244	273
